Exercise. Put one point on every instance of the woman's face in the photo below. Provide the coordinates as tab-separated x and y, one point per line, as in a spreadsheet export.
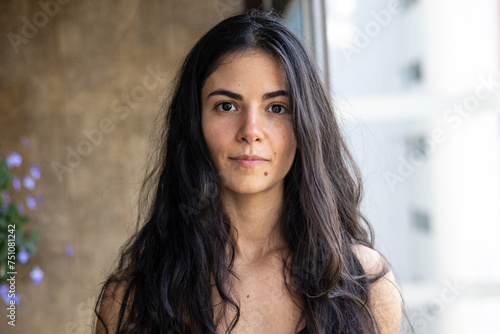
247	123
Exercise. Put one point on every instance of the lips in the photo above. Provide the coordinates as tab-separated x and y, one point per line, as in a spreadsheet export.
248	160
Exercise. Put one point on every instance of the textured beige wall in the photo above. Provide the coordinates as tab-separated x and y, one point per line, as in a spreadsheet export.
69	77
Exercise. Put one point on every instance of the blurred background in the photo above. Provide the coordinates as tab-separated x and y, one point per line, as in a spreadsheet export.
416	86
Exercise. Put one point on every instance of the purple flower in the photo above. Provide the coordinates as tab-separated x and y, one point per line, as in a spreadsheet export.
5	201
16	183
21	208
70	251
4	291
26	142
35	172
36	275
23	256
14	159
30	202
29	183
6	197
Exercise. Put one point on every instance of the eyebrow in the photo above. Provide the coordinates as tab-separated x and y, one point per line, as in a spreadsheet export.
236	96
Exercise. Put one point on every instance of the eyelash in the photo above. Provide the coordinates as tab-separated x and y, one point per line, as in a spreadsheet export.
283	108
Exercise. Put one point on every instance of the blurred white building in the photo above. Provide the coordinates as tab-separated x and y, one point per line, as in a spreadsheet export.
417	85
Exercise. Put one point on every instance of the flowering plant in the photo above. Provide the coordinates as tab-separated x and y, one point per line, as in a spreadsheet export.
12	218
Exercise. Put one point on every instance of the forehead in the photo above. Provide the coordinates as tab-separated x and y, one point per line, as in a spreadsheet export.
247	69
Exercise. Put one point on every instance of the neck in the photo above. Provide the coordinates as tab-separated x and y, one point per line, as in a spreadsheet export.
255	220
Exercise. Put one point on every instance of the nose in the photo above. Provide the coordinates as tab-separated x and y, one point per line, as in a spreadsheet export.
251	127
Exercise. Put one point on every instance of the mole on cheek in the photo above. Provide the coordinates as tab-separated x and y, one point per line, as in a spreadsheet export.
266	173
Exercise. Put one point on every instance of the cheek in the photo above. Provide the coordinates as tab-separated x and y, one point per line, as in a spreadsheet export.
290	144
215	137
291	150
287	145
207	128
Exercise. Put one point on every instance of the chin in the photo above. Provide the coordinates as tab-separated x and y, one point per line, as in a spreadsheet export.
242	190
250	187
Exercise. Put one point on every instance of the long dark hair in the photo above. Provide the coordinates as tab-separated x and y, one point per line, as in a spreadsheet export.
169	269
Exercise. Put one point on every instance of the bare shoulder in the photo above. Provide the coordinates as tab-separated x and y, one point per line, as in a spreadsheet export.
372	261
110	306
385	299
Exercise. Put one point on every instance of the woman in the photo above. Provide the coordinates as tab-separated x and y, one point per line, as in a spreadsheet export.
254	225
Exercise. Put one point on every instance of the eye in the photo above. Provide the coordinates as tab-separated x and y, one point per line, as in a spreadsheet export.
277	109
225	106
